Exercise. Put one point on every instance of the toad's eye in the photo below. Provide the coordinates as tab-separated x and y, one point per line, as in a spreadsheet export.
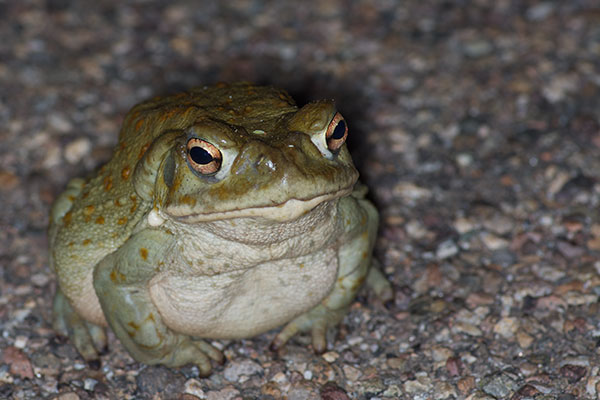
203	157
336	134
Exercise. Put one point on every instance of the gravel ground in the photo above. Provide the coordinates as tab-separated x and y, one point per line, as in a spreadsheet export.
475	123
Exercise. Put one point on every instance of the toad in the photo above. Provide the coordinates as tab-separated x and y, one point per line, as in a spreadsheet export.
224	212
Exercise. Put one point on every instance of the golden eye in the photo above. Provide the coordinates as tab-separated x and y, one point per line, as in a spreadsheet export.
336	134
203	157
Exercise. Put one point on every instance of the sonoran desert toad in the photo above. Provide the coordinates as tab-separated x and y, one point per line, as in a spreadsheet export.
225	212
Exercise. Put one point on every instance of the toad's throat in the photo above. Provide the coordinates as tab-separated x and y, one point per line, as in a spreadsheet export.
288	211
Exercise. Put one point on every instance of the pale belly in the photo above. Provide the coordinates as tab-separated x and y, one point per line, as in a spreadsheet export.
248	302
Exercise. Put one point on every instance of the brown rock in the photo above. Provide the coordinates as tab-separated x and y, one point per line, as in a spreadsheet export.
187	396
454	366
331	391
8	180
479	299
19	362
271	389
67	396
574	285
551	302
466	384
573	373
525	392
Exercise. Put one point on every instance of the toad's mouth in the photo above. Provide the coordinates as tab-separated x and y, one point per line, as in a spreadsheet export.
287	211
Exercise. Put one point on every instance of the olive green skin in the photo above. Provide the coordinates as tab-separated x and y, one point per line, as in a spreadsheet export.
166	256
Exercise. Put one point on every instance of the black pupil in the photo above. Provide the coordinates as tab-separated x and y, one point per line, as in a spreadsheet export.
339	130
200	156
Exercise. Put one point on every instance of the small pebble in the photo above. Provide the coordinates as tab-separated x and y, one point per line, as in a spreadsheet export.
351	373
503	257
158	379
416	229
194	387
464	327
227	393
573	373
411	193
479	299
592	386
549	272
525	340
40	280
331	391
59	123
569	250
574	298
280	378
477	48
540	11
444	390
499	224
68	396
454	366
420	385
396	362
235	369
499	385
446	249
581	361
464	225
528	369
464	159
560	86
466	384
330	356
439	353
21	342
271	389
506	327
392	392
372	387
77	149
525	392
493	242
8	180
89	384
18	362
551	303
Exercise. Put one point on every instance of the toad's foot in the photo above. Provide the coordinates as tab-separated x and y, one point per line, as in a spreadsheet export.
317	321
321	318
188	350
89	339
378	283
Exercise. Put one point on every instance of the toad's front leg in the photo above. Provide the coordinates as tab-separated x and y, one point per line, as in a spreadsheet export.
356	266
121	281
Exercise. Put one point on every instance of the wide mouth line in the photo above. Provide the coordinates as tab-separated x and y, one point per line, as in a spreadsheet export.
288	210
